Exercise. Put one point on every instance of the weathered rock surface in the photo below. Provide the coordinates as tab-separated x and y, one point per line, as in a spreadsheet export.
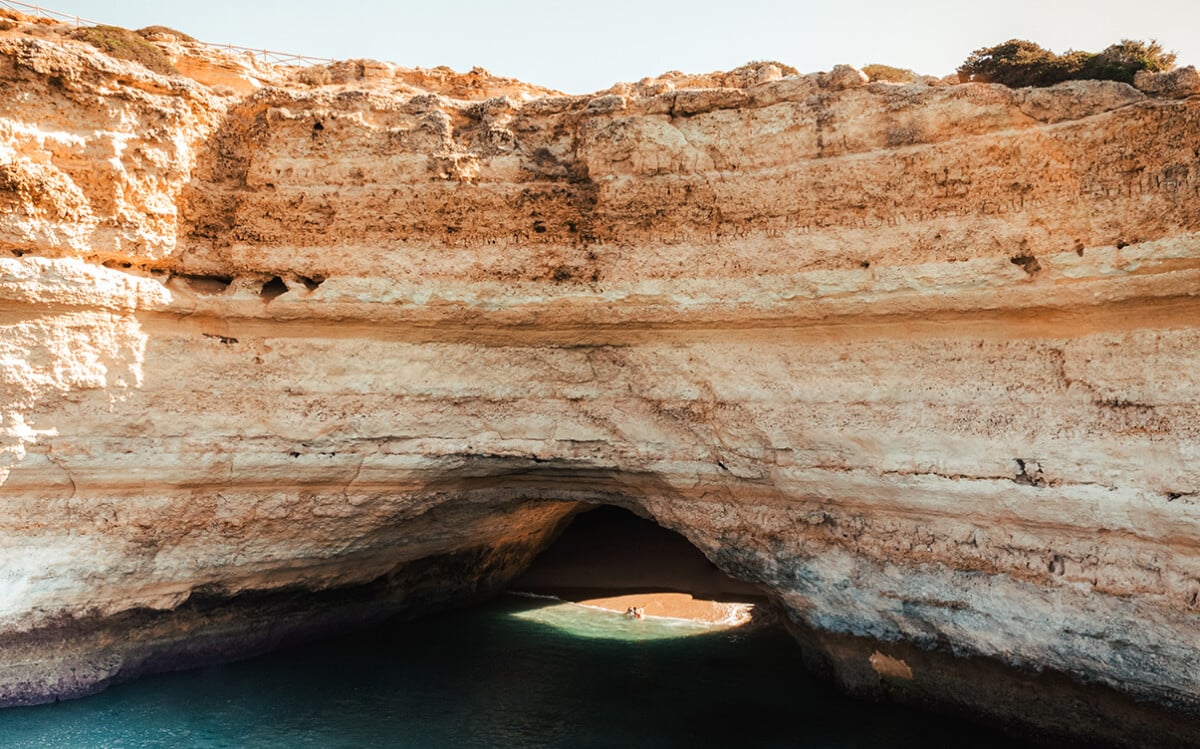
923	362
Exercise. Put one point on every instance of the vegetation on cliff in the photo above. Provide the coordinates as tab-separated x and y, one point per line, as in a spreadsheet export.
755	64
126	45
889	74
150	31
1019	63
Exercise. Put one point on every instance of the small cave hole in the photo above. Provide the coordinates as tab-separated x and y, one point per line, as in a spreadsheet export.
317	127
1028	263
208	284
312	282
273	289
1057	565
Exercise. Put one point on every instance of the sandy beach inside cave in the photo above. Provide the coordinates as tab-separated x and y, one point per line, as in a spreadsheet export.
614	560
677	606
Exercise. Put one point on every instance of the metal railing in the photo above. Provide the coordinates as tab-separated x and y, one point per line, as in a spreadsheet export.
41	12
270	55
264	55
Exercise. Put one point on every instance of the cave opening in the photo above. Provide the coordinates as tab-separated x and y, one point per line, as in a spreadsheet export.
608	557
522	672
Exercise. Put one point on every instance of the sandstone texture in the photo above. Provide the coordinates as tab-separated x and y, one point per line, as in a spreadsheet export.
283	350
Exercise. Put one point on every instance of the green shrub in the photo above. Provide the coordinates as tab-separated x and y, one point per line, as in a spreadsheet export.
1121	61
888	74
152	30
125	45
1015	63
1019	63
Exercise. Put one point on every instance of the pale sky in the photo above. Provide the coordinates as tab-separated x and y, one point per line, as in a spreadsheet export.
583	47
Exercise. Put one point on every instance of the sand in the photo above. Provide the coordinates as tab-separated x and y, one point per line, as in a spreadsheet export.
678	606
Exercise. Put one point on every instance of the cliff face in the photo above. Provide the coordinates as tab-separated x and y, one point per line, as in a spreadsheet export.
924	362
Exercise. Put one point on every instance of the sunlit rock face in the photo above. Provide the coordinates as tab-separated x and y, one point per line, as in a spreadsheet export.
923	362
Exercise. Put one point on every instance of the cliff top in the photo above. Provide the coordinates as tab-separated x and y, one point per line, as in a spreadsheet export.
239	72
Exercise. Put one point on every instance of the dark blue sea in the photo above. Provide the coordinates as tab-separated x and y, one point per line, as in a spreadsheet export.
518	672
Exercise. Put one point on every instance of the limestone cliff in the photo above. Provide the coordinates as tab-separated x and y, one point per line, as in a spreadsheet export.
284	350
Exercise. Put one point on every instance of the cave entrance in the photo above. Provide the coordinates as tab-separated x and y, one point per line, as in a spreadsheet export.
611	558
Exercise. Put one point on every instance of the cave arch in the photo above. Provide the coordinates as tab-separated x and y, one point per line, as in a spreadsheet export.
613	558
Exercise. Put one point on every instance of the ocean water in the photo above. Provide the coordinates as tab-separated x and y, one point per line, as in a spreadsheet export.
518	672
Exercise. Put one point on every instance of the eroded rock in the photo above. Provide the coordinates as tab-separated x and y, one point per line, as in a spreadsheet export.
920	360
1178	83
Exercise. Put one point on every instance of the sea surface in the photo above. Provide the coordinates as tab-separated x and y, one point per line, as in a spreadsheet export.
518	672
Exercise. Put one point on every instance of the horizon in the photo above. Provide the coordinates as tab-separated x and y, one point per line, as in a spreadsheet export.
555	47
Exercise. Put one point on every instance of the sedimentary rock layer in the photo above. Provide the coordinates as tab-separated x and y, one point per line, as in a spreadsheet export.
921	361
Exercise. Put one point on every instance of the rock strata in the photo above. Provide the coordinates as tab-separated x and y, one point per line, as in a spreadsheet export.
287	350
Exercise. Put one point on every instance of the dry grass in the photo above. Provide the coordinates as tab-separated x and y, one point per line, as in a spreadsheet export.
152	30
888	74
316	75
783	67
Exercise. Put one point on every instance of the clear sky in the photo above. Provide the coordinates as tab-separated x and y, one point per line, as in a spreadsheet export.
580	47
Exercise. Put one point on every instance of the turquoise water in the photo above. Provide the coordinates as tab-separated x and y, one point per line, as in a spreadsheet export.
515	673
